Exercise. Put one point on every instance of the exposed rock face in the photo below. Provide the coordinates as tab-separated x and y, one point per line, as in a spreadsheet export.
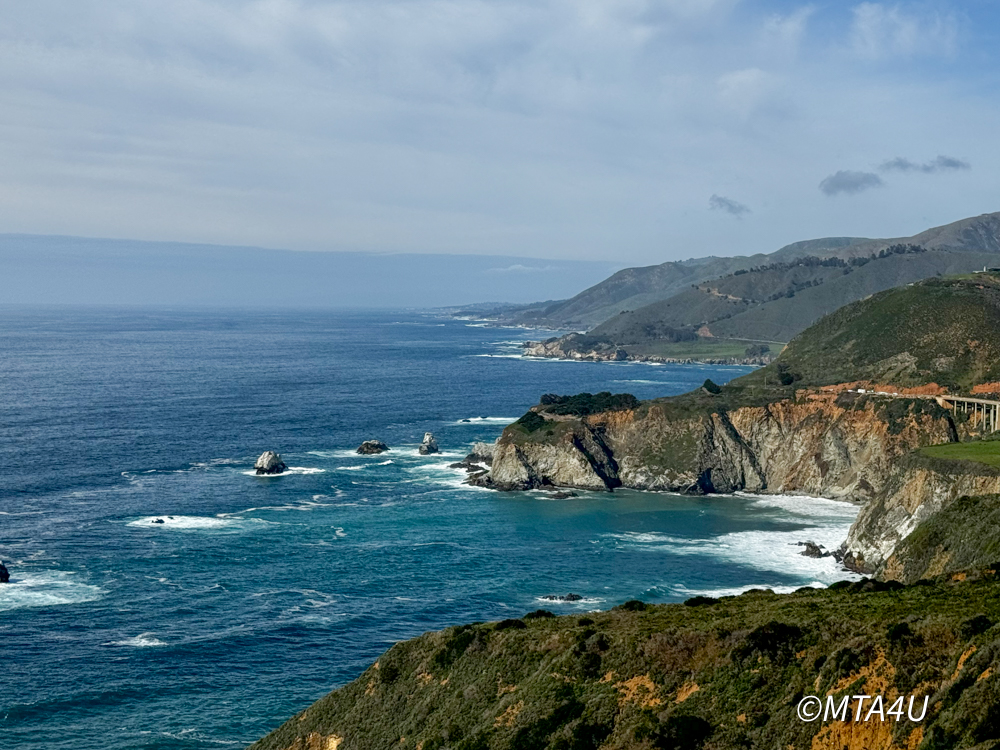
269	463
372	447
812	550
818	444
4	574
429	445
912	493
812	446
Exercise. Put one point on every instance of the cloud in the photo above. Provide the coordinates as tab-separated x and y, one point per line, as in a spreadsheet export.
849	182
880	30
720	203
940	164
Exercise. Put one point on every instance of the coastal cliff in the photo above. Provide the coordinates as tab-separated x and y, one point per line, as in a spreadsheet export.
837	445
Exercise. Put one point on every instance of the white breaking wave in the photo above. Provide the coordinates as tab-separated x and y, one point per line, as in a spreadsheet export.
486	420
45	589
144	640
221	523
585	601
827	523
287	472
350	468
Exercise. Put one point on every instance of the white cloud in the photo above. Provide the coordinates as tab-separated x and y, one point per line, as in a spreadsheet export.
881	30
549	128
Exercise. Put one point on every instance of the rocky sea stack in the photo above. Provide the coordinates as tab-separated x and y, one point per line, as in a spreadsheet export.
372	447
269	463
429	445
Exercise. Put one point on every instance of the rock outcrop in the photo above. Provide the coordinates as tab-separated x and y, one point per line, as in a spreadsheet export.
269	463
4	573
429	445
820	444
372	447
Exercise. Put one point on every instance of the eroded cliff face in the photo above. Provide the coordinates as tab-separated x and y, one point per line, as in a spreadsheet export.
820	444
912	493
816	444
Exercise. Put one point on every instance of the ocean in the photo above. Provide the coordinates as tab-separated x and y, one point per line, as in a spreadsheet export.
256	596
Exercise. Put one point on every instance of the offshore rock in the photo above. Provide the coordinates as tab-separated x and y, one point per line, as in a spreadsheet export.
429	445
812	550
4	574
372	447
269	463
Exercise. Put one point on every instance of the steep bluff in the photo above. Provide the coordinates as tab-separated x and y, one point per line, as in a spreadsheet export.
821	443
817	443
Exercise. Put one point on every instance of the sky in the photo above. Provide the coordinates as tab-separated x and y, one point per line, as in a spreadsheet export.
625	131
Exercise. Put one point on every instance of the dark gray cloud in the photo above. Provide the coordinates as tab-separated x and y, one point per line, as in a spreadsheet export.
721	203
847	181
940	164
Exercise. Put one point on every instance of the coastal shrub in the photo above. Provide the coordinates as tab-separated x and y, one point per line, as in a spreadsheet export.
538	614
583	621
711	387
583	404
633	605
511	623
975	626
700	601
531	422
756	350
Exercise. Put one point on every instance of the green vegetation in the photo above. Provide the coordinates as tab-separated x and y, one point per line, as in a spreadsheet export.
711	387
583	404
697	348
945	331
964	535
717	675
978	451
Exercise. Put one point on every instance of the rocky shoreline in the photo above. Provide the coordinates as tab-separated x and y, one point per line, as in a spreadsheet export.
834	445
554	349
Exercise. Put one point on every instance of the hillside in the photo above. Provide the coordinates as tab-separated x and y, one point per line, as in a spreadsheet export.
634	288
776	302
944	331
713	674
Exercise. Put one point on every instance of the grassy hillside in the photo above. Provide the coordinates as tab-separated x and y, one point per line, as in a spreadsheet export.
965	534
633	288
777	302
945	331
708	674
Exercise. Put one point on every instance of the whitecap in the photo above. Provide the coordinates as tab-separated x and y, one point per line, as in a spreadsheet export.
45	589
287	472
485	420
585	601
350	468
220	523
826	523
143	640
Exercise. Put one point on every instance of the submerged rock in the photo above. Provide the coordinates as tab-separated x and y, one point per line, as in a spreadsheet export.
429	445
4	574
158	520
269	463
372	447
567	598
562	495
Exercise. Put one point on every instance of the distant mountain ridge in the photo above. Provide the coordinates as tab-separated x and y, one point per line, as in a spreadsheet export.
633	288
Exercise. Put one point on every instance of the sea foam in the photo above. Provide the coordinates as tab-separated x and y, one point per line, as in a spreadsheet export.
45	589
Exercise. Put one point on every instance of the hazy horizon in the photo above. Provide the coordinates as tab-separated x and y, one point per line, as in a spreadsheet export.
624	131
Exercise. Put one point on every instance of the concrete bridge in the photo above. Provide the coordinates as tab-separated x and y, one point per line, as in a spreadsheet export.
983	412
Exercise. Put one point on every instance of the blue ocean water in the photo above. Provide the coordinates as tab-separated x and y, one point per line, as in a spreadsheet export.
257	595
